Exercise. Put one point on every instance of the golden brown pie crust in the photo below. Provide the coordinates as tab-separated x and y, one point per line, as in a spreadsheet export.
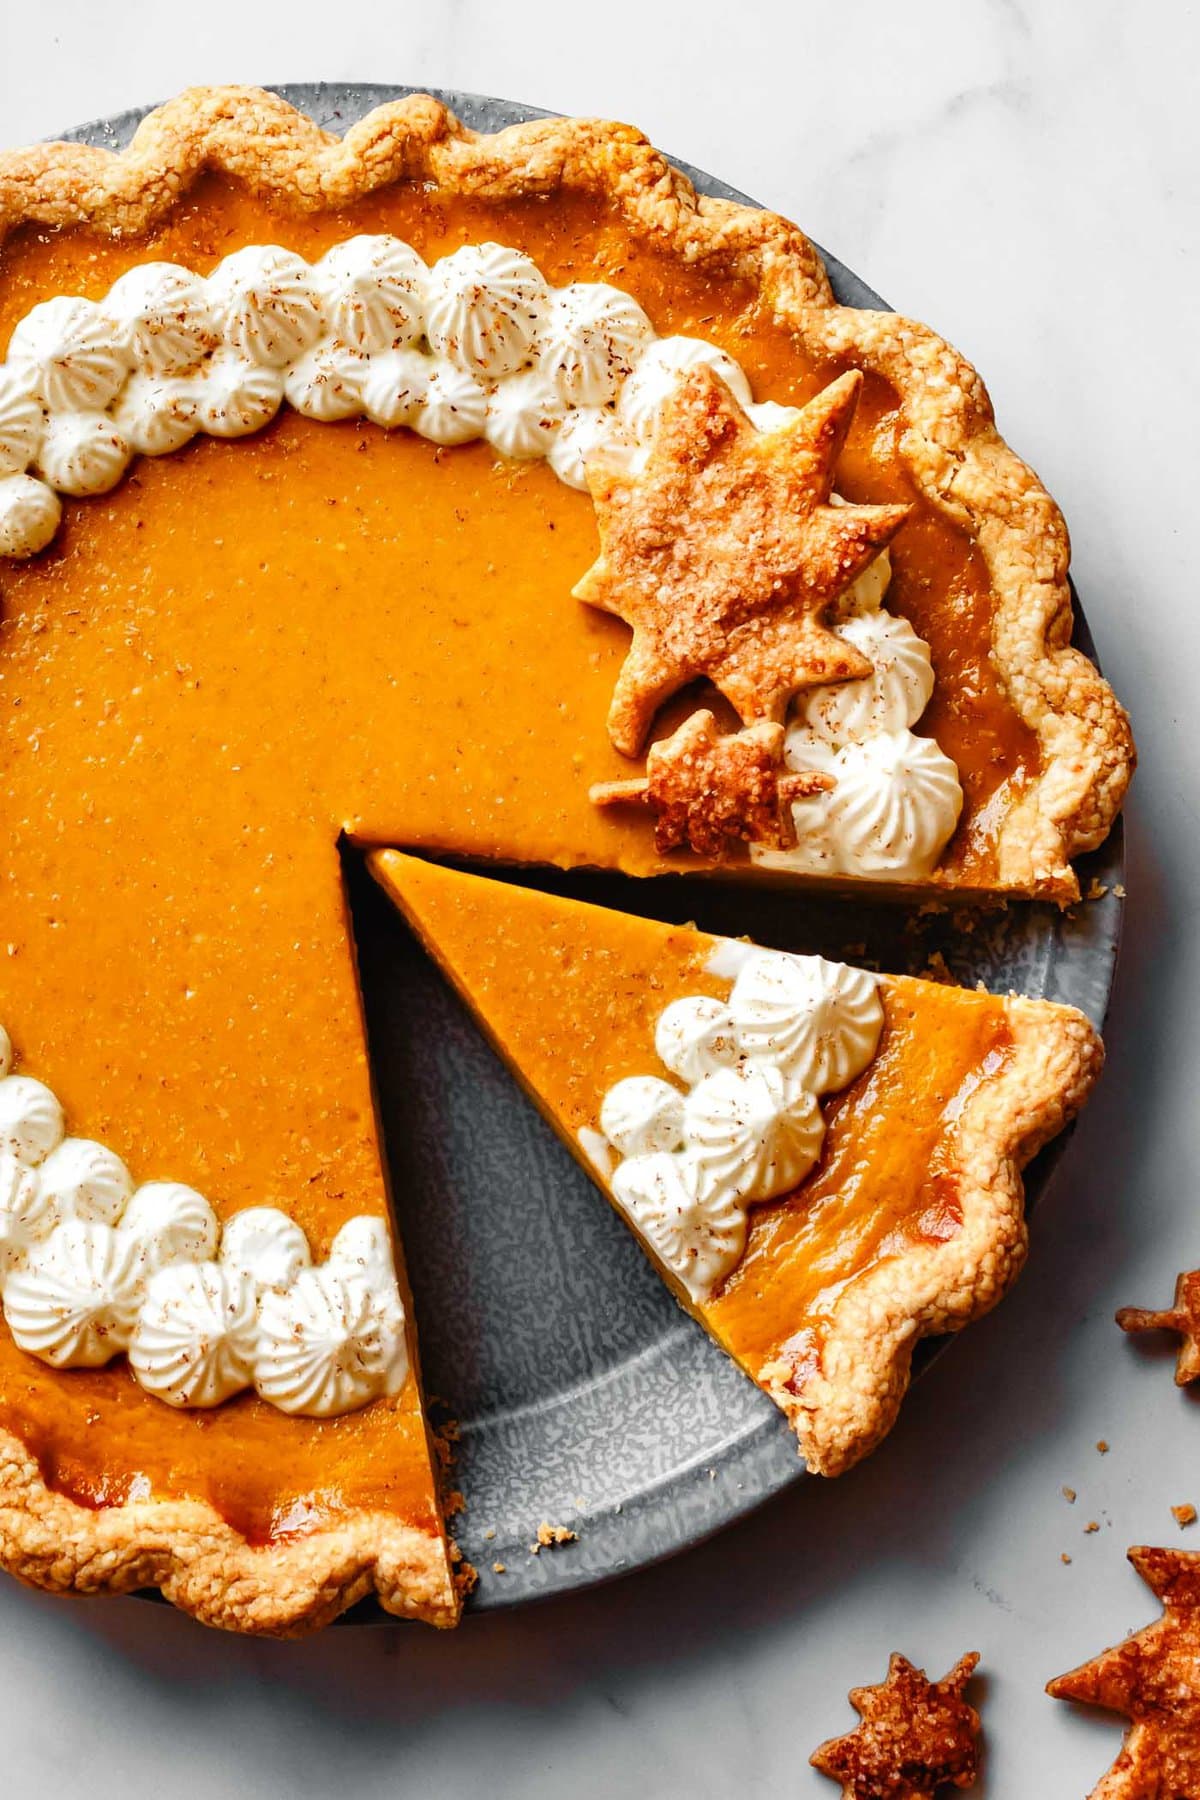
959	462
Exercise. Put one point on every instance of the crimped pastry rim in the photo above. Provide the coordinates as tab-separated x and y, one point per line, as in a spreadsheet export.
852	1401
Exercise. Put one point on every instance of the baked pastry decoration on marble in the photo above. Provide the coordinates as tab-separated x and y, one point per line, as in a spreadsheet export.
1182	1317
217	664
917	1737
1153	1677
822	1163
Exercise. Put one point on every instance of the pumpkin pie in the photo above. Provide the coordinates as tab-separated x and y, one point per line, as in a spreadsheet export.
495	400
824	1164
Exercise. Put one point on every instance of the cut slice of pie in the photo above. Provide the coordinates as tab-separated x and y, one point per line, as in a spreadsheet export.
824	1164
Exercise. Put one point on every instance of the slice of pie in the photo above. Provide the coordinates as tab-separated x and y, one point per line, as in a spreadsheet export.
344	485
824	1164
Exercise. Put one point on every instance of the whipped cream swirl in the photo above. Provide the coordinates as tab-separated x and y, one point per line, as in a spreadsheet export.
83	453
156	414
71	353
264	1244
658	372
754	1133
642	1114
485	306
30	511
327	1342
327	381
75	1303
817	1022
31	1119
697	1231
593	337
164	317
374	293
22	421
194	1339
891	698
268	304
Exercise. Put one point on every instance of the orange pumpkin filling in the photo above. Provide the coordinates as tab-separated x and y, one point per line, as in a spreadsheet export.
246	651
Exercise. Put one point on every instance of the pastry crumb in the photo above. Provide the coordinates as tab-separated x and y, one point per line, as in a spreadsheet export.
938	969
1069	1495
1102	1446
1119	890
1092	1525
490	1533
549	1537
1065	1558
499	1568
1097	890
1184	1515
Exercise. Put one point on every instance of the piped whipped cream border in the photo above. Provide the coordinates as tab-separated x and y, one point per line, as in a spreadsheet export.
92	1267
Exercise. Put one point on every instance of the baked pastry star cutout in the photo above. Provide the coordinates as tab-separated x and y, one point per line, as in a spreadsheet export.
724	554
707	787
1154	1678
1183	1316
917	1737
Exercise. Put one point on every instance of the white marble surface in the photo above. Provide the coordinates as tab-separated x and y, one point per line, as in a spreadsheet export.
1023	176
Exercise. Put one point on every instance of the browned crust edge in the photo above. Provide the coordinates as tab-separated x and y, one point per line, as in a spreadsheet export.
852	1400
950	441
207	1568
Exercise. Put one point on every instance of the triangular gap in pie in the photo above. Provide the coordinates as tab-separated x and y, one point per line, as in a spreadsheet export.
824	1165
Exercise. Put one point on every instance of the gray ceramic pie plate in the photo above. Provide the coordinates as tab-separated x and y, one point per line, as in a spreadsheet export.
585	1396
